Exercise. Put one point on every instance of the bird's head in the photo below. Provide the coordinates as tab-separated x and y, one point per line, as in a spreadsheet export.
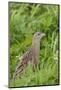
39	35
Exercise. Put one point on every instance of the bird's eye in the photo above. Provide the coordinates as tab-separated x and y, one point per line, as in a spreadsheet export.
38	33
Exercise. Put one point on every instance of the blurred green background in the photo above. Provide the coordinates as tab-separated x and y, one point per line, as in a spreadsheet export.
24	20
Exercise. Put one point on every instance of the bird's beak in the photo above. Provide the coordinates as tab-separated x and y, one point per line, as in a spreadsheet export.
43	34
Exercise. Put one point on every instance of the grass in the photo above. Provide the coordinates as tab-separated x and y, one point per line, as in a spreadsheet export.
25	20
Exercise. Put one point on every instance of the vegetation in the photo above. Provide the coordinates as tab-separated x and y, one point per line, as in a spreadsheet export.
24	20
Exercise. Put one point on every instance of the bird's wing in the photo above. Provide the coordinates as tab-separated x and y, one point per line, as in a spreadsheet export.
23	63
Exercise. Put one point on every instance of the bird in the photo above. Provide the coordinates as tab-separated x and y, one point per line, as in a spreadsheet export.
31	56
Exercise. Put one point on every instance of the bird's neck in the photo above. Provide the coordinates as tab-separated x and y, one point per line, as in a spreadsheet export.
36	46
35	51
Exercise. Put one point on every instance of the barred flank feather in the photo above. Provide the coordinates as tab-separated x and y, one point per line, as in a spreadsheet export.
26	58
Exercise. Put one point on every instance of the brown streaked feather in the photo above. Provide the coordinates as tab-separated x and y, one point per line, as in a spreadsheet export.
27	57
